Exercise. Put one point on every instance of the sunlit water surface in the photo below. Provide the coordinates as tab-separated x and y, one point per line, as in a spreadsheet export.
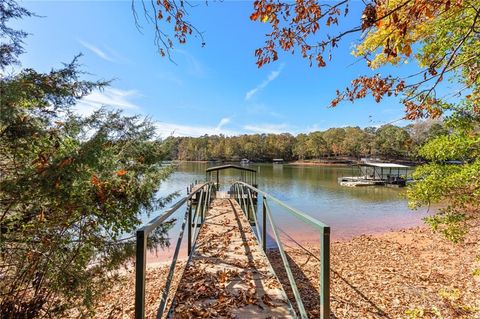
349	211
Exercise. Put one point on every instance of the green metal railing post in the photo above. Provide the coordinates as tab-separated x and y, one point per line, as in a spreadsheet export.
264	224
189	227
325	274
247	206
205	200
205	204
239	198
209	196
242	204
199	206
245	202
254	215
140	268
238	195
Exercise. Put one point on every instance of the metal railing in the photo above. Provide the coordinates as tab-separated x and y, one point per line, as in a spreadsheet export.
247	195
200	197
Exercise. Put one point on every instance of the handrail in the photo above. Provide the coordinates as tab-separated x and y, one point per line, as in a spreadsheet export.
243	193
238	192
254	215
248	209
154	223
293	285
141	245
301	215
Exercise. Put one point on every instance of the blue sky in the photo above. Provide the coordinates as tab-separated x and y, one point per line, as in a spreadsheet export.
210	90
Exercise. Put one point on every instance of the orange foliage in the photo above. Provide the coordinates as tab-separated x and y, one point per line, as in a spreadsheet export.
121	172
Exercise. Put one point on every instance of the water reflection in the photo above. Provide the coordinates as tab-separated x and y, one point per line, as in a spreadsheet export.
350	211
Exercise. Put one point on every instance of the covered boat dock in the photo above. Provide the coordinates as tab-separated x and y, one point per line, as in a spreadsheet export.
373	173
247	175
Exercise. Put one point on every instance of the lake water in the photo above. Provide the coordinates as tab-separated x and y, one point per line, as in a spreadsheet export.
349	211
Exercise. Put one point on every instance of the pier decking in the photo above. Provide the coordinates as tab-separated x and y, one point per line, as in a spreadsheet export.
228	274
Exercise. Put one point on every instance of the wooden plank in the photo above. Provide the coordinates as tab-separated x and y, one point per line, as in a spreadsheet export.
229	275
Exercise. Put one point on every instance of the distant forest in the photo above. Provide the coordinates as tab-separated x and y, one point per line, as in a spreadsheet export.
388	142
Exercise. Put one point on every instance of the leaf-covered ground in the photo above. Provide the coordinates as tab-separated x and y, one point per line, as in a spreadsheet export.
406	274
119	301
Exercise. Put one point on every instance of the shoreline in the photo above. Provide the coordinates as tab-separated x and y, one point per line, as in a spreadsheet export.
163	257
327	163
321	163
298	163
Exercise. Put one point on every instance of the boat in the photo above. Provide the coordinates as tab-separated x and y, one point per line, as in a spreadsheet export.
245	161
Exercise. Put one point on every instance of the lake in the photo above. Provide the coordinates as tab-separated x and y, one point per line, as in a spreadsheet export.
349	211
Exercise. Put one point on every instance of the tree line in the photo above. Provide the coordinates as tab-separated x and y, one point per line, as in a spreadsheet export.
388	141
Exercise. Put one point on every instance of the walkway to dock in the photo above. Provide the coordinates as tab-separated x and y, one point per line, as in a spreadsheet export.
228	274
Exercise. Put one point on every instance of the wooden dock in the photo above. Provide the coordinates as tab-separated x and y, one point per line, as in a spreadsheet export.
228	275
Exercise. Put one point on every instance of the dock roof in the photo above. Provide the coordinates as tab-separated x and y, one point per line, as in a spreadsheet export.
218	168
385	165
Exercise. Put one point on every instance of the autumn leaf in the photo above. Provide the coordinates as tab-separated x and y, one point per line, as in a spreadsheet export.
267	300
65	161
429	13
98	184
121	172
407	50
41	217
95	181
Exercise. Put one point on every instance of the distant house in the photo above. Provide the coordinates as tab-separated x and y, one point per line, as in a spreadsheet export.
278	161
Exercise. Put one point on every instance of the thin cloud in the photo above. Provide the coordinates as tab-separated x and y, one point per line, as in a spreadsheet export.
97	51
263	109
272	76
173	129
192	64
316	127
267	128
224	121
110	97
170	77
